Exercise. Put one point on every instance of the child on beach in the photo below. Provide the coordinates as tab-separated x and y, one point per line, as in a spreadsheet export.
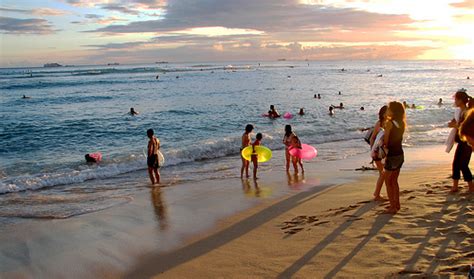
296	143
254	156
376	157
152	157
245	142
395	126
462	156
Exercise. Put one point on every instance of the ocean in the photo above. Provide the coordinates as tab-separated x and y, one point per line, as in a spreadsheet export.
198	111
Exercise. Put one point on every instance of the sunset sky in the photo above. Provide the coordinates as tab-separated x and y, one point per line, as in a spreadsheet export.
35	32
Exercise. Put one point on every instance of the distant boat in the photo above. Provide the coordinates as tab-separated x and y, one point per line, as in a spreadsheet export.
113	64
52	65
161	62
282	59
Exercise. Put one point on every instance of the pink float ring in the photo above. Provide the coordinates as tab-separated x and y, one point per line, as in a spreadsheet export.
306	152
97	156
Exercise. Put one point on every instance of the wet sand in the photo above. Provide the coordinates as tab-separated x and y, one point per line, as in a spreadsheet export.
282	227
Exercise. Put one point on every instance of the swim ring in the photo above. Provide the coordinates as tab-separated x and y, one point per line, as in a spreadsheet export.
288	115
307	152
263	153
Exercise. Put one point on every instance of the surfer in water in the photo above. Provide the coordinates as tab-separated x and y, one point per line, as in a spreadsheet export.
152	157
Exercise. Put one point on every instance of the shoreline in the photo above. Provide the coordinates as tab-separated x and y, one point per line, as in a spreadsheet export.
114	241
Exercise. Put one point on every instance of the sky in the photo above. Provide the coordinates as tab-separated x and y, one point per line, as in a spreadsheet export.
73	32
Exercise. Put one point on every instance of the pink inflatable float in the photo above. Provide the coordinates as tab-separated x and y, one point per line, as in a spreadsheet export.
94	157
287	115
307	152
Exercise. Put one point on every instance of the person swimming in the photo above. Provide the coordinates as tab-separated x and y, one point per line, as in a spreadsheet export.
301	112
413	106
331	111
315	96
157	76
405	104
25	97
380	76
133	112
340	93
273	113
319	96
341	106
362	108
440	102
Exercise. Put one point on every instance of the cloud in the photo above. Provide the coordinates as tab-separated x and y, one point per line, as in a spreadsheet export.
265	15
37	11
97	19
120	8
9	25
466	4
93	16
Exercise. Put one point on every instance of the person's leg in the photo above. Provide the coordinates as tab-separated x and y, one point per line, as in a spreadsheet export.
247	166
150	173
255	167
464	163
157	176
380	180
390	191
243	167
287	157
396	189
456	169
300	162
295	163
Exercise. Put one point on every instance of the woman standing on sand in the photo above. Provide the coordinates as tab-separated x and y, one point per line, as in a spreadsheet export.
287	141
378	129
395	126
462	156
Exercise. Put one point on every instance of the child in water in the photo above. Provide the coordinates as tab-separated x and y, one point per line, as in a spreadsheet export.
254	156
152	157
245	142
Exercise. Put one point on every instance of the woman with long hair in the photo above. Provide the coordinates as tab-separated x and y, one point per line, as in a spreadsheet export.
395	126
462	156
287	141
378	128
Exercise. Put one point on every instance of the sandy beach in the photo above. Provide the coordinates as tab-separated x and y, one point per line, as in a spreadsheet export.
338	232
322	226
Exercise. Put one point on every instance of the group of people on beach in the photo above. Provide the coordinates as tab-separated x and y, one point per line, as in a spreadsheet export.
290	140
387	150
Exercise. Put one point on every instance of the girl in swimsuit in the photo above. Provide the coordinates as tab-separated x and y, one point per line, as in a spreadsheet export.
254	156
245	142
287	139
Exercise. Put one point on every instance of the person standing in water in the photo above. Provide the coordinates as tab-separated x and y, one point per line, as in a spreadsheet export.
378	128
462	156
152	157
331	111
287	141
395	126
254	156
245	142
133	112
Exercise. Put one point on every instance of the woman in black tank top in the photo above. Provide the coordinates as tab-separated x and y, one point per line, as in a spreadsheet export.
394	130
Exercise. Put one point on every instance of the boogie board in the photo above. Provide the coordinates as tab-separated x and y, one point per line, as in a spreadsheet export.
263	153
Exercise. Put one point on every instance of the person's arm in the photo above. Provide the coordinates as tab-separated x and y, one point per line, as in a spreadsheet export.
158	144
388	128
374	133
150	145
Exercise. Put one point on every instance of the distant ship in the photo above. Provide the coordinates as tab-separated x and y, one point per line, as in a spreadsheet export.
161	62
282	59
52	65
113	64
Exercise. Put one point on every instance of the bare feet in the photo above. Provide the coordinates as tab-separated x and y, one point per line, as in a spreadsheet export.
454	190
390	210
380	198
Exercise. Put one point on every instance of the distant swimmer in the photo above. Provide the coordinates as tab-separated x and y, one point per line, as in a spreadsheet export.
273	113
133	112
315	96
362	108
26	97
380	76
301	112
343	70
93	157
341	106
468	78
288	76
405	104
319	96
177	76
331	111
340	93
157	76
440	102
413	106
